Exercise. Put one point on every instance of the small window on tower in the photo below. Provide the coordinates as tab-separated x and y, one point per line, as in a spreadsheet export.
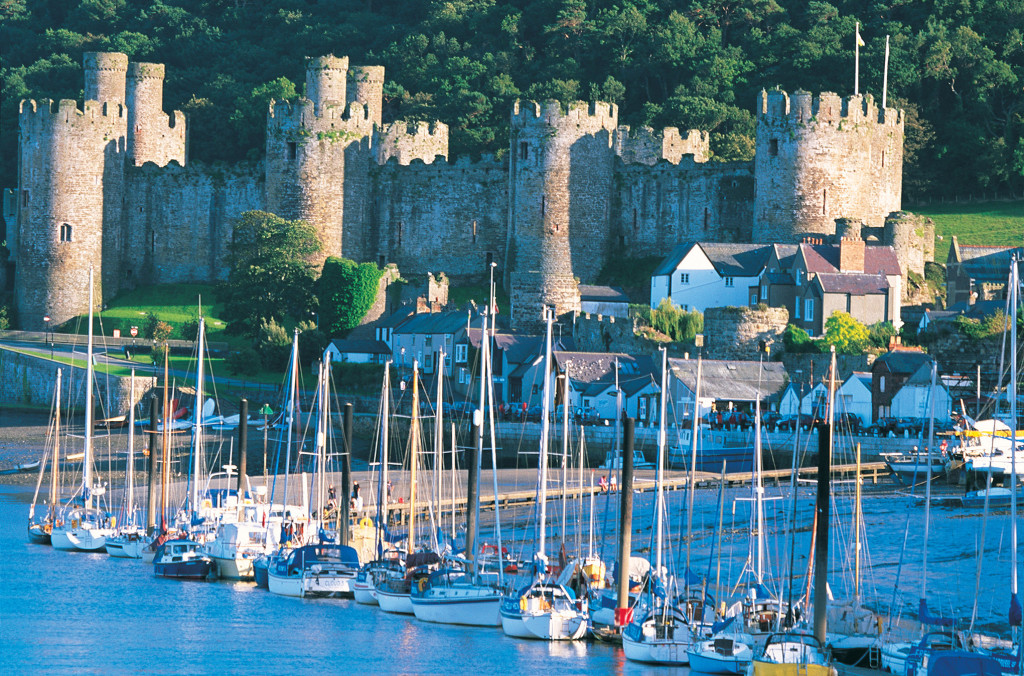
883	159
474	232
65	232
291	150
524	150
24	198
401	227
824	202
490	258
381	262
543	205
773	147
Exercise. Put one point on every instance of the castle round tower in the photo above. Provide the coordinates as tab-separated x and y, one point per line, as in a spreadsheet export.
366	86
70	158
822	158
153	136
561	183
318	160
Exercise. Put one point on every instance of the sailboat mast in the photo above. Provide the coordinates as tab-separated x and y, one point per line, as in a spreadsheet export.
659	499
544	431
385	409
439	436
196	470
165	450
1014	491
494	442
758	490
695	434
55	466
856	530
292	387
565	446
89	375
414	448
129	512
928	485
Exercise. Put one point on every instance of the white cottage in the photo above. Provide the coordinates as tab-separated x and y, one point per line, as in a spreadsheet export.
914	399
699	275
854	396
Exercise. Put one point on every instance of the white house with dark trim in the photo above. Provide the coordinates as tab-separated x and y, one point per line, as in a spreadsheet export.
699	275
357	351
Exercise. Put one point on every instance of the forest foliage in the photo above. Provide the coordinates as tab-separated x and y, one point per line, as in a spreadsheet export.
956	66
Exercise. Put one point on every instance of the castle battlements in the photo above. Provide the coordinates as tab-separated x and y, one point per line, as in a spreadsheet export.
106	184
51	113
303	113
592	116
802	107
412	141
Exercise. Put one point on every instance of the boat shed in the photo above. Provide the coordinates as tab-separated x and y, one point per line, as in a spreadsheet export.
724	382
914	399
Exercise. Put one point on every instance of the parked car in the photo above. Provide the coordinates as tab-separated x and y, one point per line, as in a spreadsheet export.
770	419
848	421
535	413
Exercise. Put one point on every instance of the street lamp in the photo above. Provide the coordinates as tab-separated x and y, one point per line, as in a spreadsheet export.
49	336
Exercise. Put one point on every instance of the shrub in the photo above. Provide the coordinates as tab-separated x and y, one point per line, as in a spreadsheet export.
273	345
796	339
847	334
149	327
675	322
190	330
346	291
243	362
879	334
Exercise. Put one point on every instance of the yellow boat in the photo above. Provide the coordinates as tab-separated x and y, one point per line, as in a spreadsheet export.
793	653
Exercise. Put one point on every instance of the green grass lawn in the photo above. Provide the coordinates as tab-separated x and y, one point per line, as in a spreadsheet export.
172	303
996	223
458	296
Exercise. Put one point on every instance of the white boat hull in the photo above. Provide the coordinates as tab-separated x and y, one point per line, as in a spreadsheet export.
474	611
559	625
286	586
364	593
80	539
233	568
126	549
400	604
734	659
512	624
894	657
656	652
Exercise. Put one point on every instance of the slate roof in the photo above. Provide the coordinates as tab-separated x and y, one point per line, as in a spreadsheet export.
520	347
589	367
729	260
736	260
852	283
348	346
778	278
922	376
731	380
605	294
785	253
427	323
669	263
863	376
824	258
902	360
397	318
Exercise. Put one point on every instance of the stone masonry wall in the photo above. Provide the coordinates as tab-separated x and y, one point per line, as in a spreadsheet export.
178	222
735	332
28	380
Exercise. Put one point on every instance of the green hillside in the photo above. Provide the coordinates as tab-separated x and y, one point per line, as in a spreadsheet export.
998	223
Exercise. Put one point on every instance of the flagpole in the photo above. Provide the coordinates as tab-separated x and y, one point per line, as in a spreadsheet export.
856	62
885	73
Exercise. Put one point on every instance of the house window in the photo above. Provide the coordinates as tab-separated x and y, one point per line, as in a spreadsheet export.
796	308
753	299
461	352
684	277
729	281
291	150
773	147
463	377
65	232
809	309
881	384
764	291
586	403
524	150
799	277
428	341
428	361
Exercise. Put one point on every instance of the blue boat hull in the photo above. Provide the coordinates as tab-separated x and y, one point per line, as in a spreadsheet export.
261	573
197	569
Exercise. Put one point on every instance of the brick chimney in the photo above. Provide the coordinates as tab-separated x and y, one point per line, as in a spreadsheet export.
851	254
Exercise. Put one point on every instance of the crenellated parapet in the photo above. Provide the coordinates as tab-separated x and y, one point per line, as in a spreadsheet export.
405	142
819	158
644	145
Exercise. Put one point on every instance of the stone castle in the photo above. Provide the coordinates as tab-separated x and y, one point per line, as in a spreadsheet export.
108	185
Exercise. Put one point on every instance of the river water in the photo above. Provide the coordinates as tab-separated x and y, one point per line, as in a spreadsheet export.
63	612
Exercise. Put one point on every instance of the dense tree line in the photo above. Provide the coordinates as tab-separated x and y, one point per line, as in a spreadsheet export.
957	66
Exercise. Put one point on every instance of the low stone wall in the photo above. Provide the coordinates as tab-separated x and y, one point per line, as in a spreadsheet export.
604	333
735	332
26	380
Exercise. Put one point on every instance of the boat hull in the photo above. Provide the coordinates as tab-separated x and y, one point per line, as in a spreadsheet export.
261	573
197	569
233	568
126	548
38	535
775	669
79	539
656	652
391	602
364	593
717	664
557	625
481	611
512	623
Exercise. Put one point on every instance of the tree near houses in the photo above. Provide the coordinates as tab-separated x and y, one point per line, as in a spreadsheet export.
270	275
346	291
846	333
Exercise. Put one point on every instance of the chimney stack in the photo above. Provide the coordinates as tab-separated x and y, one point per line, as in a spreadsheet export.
851	254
